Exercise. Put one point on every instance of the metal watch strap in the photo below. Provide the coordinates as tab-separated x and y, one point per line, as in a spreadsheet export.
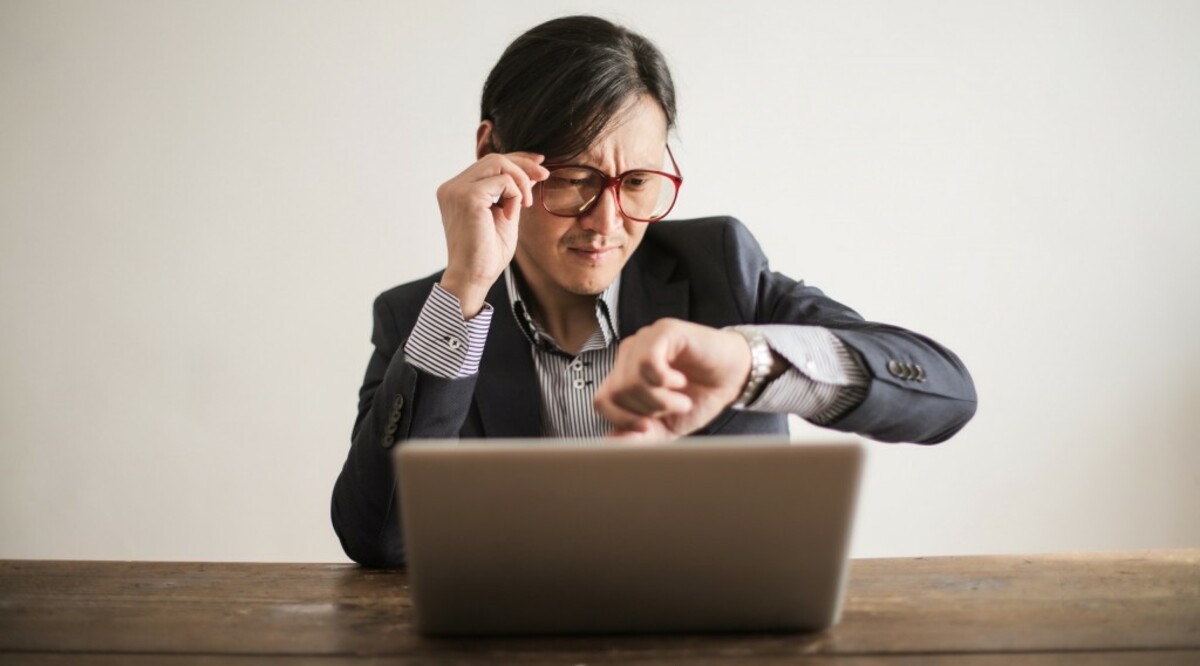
760	365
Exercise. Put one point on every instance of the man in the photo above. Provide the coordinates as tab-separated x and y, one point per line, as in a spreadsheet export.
568	309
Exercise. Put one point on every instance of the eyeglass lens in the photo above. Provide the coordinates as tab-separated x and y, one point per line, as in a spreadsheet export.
644	195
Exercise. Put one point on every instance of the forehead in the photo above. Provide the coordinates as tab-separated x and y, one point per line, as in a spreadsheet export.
636	137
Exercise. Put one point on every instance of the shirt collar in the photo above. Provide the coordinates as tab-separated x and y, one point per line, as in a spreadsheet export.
606	311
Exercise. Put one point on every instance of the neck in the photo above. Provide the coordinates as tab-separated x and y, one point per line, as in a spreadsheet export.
569	319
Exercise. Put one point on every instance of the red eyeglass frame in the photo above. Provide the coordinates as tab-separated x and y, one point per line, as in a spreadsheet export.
614	183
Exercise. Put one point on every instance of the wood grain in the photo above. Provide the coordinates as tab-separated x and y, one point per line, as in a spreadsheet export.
1129	608
1141	658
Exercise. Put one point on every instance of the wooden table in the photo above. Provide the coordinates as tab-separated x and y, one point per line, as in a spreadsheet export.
1131	608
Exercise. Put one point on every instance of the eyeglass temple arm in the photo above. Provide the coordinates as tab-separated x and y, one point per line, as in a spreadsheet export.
674	164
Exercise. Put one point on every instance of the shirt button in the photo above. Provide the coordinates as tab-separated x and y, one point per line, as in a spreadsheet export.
579	384
453	343
577	365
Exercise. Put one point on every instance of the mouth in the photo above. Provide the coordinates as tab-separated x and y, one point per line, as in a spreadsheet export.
594	254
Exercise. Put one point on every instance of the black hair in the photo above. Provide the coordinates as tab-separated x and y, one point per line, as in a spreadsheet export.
557	87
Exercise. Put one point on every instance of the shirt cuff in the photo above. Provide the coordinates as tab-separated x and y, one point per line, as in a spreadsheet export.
824	381
441	343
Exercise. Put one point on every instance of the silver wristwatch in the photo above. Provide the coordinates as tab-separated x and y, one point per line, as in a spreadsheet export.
760	365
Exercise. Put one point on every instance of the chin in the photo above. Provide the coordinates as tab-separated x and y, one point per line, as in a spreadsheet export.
589	285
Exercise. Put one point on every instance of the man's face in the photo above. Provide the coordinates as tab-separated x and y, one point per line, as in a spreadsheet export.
560	256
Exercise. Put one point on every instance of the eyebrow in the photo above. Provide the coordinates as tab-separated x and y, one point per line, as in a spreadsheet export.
585	160
597	168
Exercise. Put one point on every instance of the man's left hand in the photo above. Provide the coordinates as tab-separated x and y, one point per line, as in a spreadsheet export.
671	378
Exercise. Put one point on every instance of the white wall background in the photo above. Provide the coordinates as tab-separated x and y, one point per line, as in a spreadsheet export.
199	200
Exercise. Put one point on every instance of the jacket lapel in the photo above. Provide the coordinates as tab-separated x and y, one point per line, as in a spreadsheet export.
507	394
649	292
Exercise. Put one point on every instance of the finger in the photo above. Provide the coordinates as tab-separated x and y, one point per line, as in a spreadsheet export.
674	379
630	436
674	402
495	165
657	372
655	433
653	353
537	158
531	163
494	190
511	208
649	371
501	196
658	402
523	180
633	403
655	369
653	402
621	418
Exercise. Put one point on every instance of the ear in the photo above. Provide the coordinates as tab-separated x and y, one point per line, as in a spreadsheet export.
483	139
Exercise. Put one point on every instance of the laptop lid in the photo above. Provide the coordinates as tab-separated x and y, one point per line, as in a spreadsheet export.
581	536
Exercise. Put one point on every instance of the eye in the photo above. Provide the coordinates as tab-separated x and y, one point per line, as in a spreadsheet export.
637	180
570	177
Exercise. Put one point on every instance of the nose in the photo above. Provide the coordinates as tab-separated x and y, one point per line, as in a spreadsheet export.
605	216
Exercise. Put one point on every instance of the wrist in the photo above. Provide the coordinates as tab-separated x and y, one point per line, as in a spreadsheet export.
470	294
762	365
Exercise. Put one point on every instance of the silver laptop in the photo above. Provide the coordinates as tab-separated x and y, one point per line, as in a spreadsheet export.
582	536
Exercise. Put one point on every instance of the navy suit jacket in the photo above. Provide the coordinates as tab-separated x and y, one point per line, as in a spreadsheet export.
710	271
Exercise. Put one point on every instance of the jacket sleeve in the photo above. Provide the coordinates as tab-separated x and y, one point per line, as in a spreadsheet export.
397	402
918	391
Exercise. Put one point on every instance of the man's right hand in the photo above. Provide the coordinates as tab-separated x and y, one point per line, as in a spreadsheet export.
480	209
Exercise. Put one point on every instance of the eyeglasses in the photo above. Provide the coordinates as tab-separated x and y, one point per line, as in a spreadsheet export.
644	195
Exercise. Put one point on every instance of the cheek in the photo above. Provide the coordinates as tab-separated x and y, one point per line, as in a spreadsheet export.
535	235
